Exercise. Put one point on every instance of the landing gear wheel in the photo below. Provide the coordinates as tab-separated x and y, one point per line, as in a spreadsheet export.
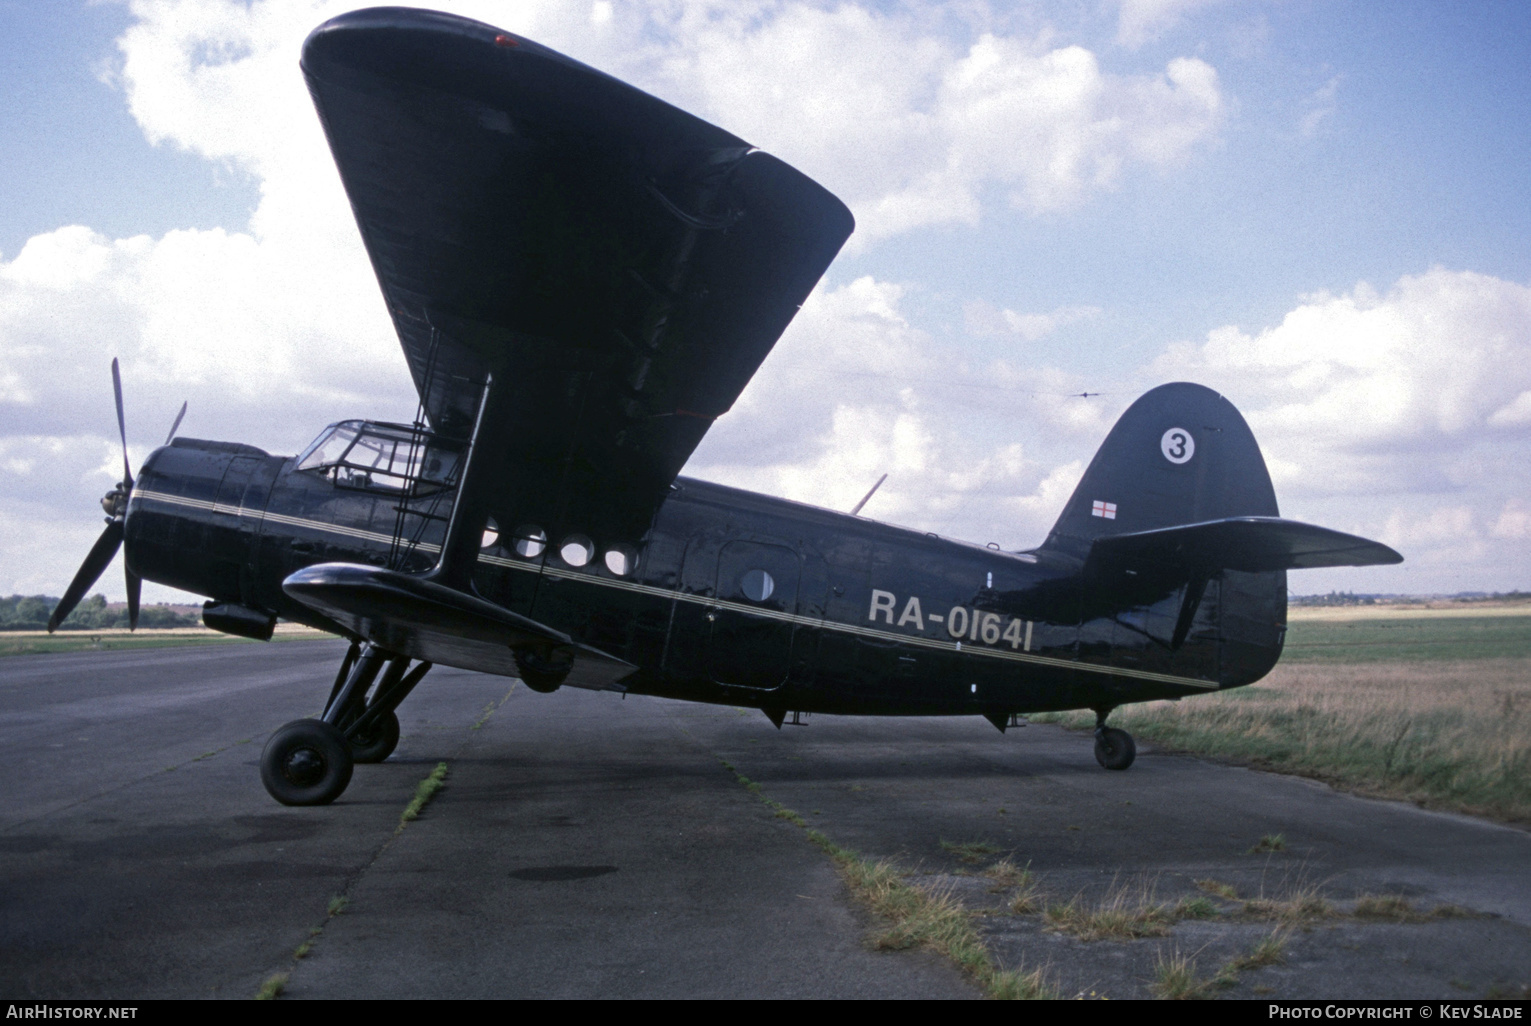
1114	748
307	762
539	673
378	743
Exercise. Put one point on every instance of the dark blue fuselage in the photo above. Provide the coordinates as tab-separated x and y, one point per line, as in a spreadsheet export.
860	617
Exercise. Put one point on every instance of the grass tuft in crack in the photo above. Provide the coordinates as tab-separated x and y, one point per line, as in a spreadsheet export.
272	988
917	917
1123	914
423	794
971	852
1302	905
1196	907
1268	843
1006	874
1175	979
1219	889
1270	951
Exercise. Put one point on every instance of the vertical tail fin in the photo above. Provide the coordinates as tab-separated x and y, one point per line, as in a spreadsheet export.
1181	454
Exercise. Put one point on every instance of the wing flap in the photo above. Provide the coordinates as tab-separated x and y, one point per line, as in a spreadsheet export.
412	616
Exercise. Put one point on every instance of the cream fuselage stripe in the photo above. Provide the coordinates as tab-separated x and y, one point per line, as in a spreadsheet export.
701	600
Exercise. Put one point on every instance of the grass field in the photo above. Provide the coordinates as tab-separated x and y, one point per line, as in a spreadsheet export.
1430	708
40	642
1425	636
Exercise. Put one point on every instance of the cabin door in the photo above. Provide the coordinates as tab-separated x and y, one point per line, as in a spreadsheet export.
753	619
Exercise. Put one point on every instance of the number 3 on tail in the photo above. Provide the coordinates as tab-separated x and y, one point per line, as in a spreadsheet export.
1177	445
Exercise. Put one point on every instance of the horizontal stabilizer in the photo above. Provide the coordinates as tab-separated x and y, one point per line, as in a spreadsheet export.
1248	544
411	616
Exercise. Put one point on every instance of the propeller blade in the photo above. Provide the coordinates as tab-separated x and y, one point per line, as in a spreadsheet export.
122	425
135	588
170	437
90	571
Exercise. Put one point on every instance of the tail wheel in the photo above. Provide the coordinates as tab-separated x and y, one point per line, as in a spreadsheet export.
307	762
378	743
1114	748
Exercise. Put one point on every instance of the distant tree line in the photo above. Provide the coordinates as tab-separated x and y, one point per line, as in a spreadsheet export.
31	612
1346	598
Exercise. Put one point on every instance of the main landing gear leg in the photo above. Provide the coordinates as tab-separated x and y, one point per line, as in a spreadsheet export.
1113	748
373	728
309	762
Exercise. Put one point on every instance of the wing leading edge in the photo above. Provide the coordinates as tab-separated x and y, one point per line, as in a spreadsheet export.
618	267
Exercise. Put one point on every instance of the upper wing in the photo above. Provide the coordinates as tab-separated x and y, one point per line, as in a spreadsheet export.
620	267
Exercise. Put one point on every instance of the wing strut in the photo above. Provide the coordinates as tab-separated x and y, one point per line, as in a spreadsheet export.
470	510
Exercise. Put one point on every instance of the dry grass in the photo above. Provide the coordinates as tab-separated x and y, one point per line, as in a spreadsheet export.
1268	843
1175	979
1398	909
1219	889
1125	913
1301	904
1452	734
1270	951
1006	874
1196	907
932	918
921	916
1021	985
971	852
1393	907
1028	900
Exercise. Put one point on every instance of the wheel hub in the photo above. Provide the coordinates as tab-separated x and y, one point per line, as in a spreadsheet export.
304	767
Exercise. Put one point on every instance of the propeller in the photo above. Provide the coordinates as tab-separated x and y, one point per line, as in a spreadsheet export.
115	503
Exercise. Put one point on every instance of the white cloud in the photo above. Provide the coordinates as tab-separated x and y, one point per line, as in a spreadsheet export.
854	391
1514	521
1398	414
1143	21
985	321
1368	391
1321	105
912	127
1449	524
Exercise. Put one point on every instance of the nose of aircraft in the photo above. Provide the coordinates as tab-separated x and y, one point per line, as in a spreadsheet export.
115	503
194	516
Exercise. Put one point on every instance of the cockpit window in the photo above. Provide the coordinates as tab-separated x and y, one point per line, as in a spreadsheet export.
328	447
382	457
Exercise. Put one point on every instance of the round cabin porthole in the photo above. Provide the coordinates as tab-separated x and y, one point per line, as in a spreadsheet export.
531	541
576	550
757	585
621	560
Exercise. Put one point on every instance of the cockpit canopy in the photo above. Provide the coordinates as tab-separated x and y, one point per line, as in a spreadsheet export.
382	457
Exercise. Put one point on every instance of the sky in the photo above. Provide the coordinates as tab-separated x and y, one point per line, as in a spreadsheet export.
1316	208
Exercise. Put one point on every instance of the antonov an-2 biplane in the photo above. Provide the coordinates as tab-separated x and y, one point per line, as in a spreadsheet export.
583	279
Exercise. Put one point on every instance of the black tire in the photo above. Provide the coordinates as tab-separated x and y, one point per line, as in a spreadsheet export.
540	674
1114	748
379	742
307	762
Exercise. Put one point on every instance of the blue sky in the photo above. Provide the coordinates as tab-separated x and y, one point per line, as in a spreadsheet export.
1317	208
